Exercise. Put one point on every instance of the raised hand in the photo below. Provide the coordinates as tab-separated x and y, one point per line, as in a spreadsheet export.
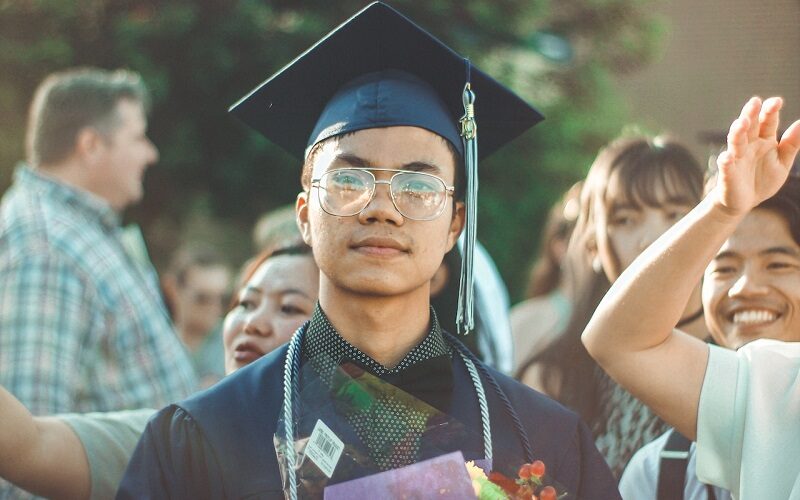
755	164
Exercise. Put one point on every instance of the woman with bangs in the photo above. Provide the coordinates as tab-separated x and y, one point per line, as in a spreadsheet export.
635	190
84	455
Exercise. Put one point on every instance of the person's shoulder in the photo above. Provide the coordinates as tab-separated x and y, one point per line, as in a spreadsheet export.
763	361
560	439
526	399
222	420
242	392
34	228
23	222
643	467
768	350
29	245
762	367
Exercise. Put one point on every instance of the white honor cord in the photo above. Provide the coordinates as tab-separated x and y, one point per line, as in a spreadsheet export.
290	374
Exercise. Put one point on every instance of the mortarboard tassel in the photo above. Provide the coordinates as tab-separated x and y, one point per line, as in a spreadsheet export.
465	317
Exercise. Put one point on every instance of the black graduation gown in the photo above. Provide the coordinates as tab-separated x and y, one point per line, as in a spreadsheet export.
219	443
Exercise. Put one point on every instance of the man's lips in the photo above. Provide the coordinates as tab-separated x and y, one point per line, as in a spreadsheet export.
753	316
379	246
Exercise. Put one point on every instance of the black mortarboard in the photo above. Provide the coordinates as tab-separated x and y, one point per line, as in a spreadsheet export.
380	69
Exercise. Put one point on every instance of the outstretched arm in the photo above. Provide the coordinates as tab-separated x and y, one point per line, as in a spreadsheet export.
631	334
41	454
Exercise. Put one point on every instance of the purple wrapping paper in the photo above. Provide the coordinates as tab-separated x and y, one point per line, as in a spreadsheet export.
443	477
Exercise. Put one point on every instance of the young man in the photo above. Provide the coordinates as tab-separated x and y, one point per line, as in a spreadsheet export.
742	406
754	278
82	323
373	109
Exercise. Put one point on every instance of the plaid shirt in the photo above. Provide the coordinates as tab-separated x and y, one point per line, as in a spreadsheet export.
83	326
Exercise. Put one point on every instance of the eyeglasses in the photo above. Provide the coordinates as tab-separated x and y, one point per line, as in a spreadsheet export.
416	195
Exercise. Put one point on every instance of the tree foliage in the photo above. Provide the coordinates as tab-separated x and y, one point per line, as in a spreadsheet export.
200	56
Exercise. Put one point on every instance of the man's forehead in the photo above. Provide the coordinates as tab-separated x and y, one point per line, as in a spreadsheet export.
403	148
762	232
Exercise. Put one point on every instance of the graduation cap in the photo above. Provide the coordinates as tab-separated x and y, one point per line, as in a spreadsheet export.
379	69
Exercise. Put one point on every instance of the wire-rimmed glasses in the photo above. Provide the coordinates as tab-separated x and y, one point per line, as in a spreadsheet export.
345	192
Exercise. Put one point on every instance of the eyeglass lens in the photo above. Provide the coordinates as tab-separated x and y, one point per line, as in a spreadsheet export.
417	196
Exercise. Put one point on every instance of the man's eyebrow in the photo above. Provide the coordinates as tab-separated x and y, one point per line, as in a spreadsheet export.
422	166
727	254
791	252
353	160
414	166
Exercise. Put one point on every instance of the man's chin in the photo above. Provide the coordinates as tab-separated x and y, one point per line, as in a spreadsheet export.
742	336
385	288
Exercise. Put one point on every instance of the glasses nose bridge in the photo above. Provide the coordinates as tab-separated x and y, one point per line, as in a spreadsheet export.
374	192
376	182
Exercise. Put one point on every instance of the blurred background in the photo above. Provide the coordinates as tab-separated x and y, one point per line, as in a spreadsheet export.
592	67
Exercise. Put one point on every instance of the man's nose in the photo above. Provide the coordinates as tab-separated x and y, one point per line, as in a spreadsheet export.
748	284
381	207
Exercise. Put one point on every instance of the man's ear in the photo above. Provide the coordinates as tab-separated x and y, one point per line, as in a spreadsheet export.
456	224
301	215
89	144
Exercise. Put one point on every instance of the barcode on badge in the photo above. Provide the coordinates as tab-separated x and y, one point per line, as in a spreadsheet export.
324	448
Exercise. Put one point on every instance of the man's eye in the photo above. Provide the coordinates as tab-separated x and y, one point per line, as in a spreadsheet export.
723	270
779	266
348	179
420	187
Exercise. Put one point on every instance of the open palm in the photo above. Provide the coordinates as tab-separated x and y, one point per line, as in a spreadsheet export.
755	164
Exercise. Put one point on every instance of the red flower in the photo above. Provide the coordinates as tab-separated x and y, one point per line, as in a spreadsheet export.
536	468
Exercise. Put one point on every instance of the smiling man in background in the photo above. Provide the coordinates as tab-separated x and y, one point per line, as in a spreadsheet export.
742	406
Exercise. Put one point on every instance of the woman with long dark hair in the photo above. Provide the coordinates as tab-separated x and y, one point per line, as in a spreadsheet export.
635	190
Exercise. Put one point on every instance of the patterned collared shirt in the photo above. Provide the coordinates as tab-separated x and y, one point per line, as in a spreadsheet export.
322	341
392	426
83	326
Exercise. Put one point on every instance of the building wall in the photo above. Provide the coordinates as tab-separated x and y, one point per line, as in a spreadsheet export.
715	55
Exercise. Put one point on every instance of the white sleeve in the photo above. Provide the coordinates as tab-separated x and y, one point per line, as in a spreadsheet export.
719	419
109	440
748	438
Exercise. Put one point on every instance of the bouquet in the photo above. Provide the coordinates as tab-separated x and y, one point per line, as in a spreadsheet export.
341	446
529	484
